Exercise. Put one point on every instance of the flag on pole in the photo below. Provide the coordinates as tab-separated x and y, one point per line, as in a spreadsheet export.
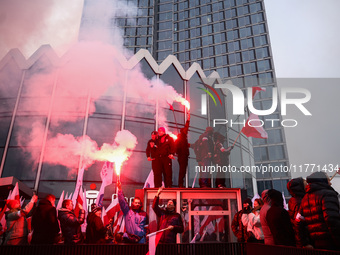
149	183
106	175
22	200
60	202
194	239
15	193
80	200
79	184
154	240
256	90
285	205
111	212
255	128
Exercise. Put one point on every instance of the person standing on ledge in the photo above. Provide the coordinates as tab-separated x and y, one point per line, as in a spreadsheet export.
168	218
151	151
182	151
165	153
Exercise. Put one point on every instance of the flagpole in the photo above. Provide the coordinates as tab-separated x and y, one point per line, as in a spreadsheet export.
193	184
153	233
237	138
334	174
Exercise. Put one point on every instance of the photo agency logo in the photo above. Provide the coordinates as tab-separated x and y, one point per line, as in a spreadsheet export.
239	106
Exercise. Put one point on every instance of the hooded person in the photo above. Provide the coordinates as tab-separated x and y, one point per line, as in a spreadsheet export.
151	154
221	159
168	218
17	228
206	152
278	220
268	237
95	230
45	222
320	212
164	153
135	218
296	188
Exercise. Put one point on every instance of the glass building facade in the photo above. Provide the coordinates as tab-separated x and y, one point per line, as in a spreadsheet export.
38	93
227	36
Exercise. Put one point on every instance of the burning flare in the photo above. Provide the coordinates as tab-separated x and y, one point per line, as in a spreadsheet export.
120	151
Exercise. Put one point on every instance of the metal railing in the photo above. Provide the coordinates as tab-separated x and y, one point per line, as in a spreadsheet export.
162	249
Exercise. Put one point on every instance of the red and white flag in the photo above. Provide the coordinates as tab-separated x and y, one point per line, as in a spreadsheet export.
110	211
13	195
80	200
153	241
106	175
149	183
78	185
60	202
255	129
257	90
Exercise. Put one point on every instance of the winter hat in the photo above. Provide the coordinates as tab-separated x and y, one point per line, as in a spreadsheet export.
11	203
209	130
95	208
318	177
247	201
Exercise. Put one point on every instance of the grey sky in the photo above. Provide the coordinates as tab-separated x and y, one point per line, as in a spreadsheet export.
305	43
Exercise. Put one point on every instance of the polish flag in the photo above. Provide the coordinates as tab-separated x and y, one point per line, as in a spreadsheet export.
111	211
257	90
80	200
78	185
60	202
13	195
255	129
153	241
149	183
106	175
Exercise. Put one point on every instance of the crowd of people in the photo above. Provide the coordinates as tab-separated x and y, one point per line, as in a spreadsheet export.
50	226
311	221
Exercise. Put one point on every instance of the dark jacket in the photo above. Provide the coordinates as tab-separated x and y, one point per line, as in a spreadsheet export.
95	230
278	220
182	145
280	226
151	151
320	208
45	223
17	230
296	189
166	219
165	146
239	230
71	225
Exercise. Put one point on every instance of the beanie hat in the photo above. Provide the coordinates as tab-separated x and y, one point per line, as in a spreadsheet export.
11	203
95	208
318	177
